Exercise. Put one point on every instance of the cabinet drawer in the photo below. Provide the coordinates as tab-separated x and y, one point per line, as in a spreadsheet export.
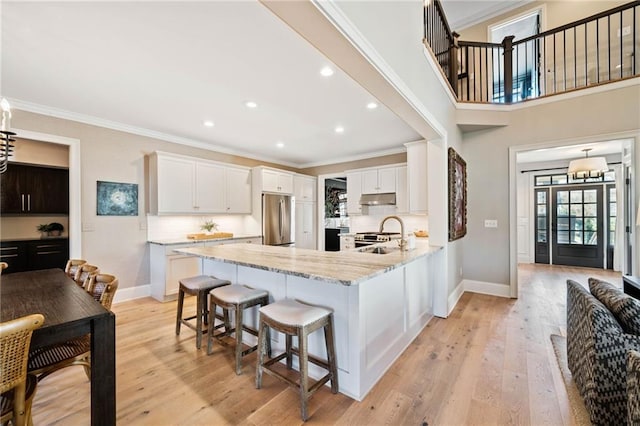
14	253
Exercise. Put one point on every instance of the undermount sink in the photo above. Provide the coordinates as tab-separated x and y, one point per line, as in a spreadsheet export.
379	250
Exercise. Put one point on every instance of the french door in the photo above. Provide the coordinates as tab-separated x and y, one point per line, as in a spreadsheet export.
577	226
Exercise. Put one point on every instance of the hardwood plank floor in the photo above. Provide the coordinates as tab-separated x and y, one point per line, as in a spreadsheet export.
490	363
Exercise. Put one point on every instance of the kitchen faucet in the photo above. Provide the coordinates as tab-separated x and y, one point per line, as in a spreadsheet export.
403	242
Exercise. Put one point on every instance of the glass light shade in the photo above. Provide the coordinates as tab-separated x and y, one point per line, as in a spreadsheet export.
589	167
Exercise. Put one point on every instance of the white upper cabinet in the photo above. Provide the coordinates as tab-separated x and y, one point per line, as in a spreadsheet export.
181	185
376	181
278	181
305	225
417	177
354	191
304	188
402	195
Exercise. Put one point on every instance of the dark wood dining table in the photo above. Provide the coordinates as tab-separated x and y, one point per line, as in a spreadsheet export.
69	312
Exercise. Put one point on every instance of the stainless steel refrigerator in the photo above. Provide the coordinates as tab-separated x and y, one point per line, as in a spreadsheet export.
277	220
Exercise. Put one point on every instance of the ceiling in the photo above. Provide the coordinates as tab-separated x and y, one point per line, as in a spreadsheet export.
162	69
571	152
465	13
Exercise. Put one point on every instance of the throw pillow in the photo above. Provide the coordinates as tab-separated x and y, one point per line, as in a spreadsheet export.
625	308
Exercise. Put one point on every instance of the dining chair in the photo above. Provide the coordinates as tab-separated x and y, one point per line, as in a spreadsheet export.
72	267
83	273
49	359
17	388
3	266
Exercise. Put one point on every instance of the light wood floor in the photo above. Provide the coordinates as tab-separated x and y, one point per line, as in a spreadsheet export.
490	363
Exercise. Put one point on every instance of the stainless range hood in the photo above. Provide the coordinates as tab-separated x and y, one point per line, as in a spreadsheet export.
385	199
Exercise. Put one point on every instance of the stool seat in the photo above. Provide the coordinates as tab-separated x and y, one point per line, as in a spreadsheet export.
201	282
199	286
291	312
237	293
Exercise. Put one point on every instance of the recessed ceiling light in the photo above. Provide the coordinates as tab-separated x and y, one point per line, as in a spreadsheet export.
251	104
208	123
372	105
280	145
339	129
326	71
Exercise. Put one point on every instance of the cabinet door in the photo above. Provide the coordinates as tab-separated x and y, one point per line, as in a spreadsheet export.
354	191
48	191
176	185
210	188
14	253
402	200
304	188
178	267
285	183
369	182
305	225
238	190
270	181
12	189
387	180
46	254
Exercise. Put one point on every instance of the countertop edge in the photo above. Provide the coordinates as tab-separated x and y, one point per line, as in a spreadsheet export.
178	241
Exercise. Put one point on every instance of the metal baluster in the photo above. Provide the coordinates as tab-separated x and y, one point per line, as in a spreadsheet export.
586	62
575	59
564	59
621	52
609	46
597	51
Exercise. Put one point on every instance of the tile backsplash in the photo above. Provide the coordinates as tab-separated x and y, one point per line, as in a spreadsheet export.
168	227
19	227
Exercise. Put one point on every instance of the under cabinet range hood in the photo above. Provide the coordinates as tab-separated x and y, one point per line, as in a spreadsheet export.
384	199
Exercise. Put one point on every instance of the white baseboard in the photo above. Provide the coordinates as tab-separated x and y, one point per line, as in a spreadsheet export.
455	296
482	287
122	295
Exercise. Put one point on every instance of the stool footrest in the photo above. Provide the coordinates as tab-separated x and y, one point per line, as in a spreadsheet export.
312	358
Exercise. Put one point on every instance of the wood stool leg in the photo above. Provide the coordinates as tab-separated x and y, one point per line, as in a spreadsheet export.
211	325
331	353
179	314
263	332
199	320
304	371
239	311
288	339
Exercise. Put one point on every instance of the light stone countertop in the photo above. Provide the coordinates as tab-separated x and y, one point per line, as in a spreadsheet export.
185	240
340	267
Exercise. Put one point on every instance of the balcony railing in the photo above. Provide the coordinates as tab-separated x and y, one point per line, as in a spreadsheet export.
595	50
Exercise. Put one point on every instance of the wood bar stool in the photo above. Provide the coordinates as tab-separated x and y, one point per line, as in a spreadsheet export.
197	286
235	298
293	318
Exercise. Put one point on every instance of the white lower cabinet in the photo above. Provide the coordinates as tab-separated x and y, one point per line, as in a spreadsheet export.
305	225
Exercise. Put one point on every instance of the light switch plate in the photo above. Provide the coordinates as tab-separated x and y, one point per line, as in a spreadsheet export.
490	223
88	226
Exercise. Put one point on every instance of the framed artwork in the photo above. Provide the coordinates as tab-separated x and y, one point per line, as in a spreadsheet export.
117	199
457	196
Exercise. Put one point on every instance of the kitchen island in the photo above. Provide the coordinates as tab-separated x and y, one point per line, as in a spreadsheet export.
380	301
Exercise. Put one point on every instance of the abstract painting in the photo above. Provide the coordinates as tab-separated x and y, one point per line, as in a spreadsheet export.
117	199
457	196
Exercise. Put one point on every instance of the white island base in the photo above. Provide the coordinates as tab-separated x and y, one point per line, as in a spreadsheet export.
375	319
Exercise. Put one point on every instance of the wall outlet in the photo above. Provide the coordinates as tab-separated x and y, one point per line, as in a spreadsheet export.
490	223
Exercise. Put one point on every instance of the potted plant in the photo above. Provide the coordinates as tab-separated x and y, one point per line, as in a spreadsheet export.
43	228
208	226
53	229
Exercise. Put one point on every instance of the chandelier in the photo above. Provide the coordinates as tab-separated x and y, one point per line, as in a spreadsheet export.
6	135
588	167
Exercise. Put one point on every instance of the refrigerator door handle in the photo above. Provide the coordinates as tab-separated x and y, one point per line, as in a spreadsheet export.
281	218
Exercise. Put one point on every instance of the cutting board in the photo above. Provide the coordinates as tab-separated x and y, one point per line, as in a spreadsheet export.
210	236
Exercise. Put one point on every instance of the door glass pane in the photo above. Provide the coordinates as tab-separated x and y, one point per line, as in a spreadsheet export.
590	224
543	180
590	238
612	195
576	196
576	223
612	209
590	196
609	176
563	210
563	197
542	223
542	210
576	210
559	180
612	223
590	210
612	238
542	236
563	237
542	197
563	223
576	237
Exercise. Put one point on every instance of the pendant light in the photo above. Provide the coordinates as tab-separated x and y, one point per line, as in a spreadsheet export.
588	167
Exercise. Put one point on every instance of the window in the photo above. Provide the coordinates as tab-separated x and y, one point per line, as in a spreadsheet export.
562	179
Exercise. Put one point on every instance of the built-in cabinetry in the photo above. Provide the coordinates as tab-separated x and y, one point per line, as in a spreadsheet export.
376	180
32	255
179	184
273	180
347	242
167	266
28	189
417	177
305	211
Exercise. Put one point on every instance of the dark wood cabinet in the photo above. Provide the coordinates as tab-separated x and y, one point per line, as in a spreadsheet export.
34	190
34	255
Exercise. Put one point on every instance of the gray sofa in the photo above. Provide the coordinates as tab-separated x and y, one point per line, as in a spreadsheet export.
602	326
